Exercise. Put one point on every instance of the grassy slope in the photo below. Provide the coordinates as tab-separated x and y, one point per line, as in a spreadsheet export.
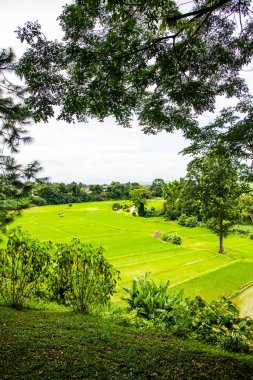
129	245
64	345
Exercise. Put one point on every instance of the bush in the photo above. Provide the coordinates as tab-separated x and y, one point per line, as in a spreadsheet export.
172	214
116	206
147	298
182	220
188	221
152	212
75	274
38	201
216	322
81	276
176	239
173	238
126	207
23	264
166	237
238	231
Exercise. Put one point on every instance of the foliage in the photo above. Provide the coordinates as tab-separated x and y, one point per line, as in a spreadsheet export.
166	236
116	206
189	199
113	54
80	275
76	273
152	212
238	231
139	198
171	193
187	221
216	322
62	193
147	298
174	238
246	205
219	194
23	265
157	187
16	181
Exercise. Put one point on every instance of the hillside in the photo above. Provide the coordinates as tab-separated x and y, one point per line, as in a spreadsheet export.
64	345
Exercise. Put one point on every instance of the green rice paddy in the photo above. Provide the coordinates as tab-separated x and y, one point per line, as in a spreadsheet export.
129	244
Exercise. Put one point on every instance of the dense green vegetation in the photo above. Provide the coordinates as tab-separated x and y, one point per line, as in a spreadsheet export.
118	69
131	246
16	180
59	193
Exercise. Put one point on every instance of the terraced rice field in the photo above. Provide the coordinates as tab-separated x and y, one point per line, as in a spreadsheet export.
130	245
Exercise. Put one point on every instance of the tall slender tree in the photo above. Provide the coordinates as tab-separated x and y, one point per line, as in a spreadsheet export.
15	115
219	194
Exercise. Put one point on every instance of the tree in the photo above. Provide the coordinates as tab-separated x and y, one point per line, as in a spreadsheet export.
152	58
171	193
16	180
139	198
219	194
157	187
246	204
189	200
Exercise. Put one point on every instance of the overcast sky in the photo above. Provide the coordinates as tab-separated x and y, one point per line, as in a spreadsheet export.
93	152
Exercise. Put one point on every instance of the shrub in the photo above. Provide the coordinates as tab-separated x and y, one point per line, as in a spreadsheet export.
188	221
23	263
182	219
173	238
238	231
38	201
116	206
216	322
126	207
176	239
81	275
166	237
148	299
172	214
192	221
151	213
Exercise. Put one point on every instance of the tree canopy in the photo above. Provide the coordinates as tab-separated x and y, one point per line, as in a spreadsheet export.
15	179
162	61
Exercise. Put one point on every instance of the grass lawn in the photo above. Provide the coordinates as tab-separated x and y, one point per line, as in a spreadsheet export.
65	345
129	245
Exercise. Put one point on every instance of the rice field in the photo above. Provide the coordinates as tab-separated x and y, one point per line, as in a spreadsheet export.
130	245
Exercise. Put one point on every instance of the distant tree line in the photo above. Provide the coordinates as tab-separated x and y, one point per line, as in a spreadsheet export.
61	193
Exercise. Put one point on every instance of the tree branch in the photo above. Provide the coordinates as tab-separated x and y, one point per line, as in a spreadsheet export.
199	12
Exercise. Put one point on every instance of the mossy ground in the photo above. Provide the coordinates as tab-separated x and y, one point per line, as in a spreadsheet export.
60	344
